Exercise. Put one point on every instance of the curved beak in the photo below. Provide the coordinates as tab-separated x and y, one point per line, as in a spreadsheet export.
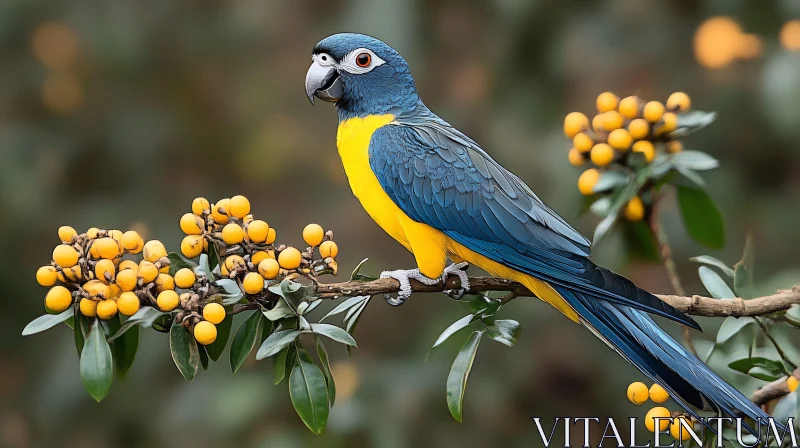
324	83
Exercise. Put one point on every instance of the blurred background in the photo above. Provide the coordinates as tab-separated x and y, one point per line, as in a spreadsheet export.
118	113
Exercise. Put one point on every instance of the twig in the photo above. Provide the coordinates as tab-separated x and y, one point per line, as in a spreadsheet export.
694	305
669	264
773	390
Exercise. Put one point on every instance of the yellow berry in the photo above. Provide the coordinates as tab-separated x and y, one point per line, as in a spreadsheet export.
575	122
271	235
116	235
153	250
128	264
72	274
92	232
58	299
106	247
167	300
199	205
147	272
588	180
582	142
106	309
645	147
184	278
269	268
576	157
257	231
67	234
637	393
313	234
620	139
607	101
114	291
679	102
232	233
247	218
792	383
629	107
289	258
612	120
128	304
649	419
674	146
653	111
164	282
205	332
214	312
46	276
132	242
192	246
88	307
639	128
220	211
634	210
658	394
105	270
669	122
191	224
677	431
65	256
259	256
327	249
598	123
233	262
253	283
239	206
97	289
126	279
602	154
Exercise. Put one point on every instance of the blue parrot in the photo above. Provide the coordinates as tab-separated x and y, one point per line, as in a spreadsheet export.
439	194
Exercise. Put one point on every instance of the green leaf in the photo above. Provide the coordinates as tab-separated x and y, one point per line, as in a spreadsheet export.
279	311
213	258
184	351
609	180
276	342
344	306
354	274
504	331
691	122
793	315
245	339
640	240
124	347
353	316
765	367
335	333
732	326
601	206
743	270
459	372
145	317
216	348
764	374
96	364
80	330
203	357
283	362
309	392
294	293
715	285
326	369
46	322
694	160
454	328
307	307
701	217
688	178
177	262
711	261
619	198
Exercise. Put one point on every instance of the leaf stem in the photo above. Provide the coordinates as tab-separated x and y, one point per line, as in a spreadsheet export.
774	343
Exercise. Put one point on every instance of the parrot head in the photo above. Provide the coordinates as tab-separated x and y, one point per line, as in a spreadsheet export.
361	75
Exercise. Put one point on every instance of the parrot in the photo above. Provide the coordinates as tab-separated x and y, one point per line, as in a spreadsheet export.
442	197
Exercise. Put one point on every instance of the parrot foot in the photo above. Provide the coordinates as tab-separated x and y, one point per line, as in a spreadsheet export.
404	276
459	270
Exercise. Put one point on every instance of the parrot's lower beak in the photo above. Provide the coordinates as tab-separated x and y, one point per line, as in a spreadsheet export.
324	83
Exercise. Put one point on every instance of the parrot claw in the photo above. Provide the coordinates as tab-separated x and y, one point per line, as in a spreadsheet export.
459	270
404	276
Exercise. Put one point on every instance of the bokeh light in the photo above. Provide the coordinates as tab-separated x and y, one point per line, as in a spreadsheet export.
790	35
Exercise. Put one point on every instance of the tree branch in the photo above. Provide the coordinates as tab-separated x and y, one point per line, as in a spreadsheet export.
694	305
773	390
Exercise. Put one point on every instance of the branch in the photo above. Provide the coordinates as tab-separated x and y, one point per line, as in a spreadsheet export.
694	305
773	390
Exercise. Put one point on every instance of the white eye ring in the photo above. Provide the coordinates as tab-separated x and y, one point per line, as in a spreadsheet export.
324	59
349	62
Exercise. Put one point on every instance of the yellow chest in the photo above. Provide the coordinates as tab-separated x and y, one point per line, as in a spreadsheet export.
352	140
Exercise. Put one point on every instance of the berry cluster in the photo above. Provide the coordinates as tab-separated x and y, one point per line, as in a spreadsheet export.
638	394
93	271
623	134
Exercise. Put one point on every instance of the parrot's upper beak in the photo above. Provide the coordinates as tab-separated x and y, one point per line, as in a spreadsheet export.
324	83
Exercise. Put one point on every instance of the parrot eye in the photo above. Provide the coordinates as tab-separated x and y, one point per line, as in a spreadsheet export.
363	60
